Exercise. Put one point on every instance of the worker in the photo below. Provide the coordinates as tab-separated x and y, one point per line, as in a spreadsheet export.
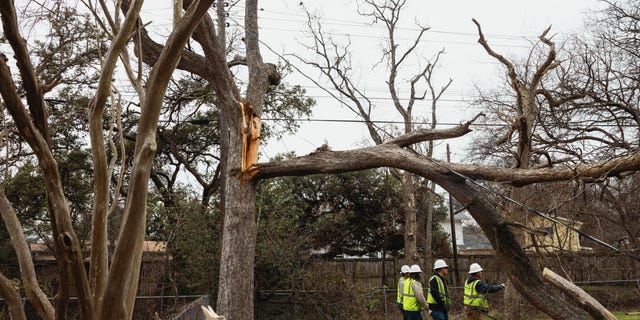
404	273
475	293
413	301
438	297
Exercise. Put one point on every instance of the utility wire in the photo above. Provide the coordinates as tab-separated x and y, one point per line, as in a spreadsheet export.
348	23
340	22
311	79
540	213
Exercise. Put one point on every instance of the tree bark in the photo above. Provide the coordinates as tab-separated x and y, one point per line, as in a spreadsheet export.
410	220
27	270
99	263
10	290
595	309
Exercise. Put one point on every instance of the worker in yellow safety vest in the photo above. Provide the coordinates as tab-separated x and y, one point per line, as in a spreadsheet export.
475	293
413	301
438	297
404	274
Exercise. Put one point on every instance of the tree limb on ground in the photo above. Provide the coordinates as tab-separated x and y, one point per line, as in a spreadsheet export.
595	309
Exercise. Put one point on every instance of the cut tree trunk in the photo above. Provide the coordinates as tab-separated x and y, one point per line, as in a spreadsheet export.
595	309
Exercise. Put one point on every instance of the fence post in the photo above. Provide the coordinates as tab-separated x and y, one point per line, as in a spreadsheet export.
295	304
384	295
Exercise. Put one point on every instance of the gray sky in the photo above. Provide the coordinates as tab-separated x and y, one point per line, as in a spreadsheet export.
509	25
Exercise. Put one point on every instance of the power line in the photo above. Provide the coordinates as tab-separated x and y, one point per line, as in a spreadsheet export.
405	39
309	77
382	122
540	213
340	22
363	25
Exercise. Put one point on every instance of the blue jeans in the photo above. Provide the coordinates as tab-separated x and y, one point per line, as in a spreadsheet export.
413	315
439	315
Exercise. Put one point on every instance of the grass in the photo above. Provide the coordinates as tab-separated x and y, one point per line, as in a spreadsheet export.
627	315
620	315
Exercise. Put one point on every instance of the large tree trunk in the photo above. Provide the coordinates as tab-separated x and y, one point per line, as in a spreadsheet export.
512	299
235	286
235	292
235	289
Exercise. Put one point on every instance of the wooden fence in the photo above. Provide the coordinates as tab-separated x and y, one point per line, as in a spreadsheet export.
585	268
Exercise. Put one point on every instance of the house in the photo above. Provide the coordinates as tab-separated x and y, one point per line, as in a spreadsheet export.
446	227
150	250
468	234
475	240
152	271
549	236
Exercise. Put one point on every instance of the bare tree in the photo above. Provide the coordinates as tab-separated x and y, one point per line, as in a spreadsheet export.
334	63
521	124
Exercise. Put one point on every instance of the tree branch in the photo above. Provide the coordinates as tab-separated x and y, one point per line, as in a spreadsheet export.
35	94
393	155
27	271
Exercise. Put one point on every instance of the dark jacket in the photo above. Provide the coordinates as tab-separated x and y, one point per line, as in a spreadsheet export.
483	287
433	288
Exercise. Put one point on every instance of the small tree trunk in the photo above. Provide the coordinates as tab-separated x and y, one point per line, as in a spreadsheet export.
426	224
410	221
28	275
10	291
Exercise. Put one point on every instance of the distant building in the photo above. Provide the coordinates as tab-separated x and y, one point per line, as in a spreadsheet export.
475	240
469	236
549	236
152	270
446	227
150	249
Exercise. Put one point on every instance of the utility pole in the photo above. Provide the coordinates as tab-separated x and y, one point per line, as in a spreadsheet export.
454	245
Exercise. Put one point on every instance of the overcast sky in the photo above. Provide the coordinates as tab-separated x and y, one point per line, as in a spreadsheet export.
510	26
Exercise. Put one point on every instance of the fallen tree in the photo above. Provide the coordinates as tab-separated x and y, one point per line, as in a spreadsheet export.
459	181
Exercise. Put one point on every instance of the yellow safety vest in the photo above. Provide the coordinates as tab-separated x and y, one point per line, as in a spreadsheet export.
472	297
400	289
442	291
409	301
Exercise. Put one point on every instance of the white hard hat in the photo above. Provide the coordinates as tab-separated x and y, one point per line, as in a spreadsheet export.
405	269
440	264
474	267
415	269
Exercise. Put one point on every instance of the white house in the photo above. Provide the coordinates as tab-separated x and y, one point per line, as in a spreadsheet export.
446	226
